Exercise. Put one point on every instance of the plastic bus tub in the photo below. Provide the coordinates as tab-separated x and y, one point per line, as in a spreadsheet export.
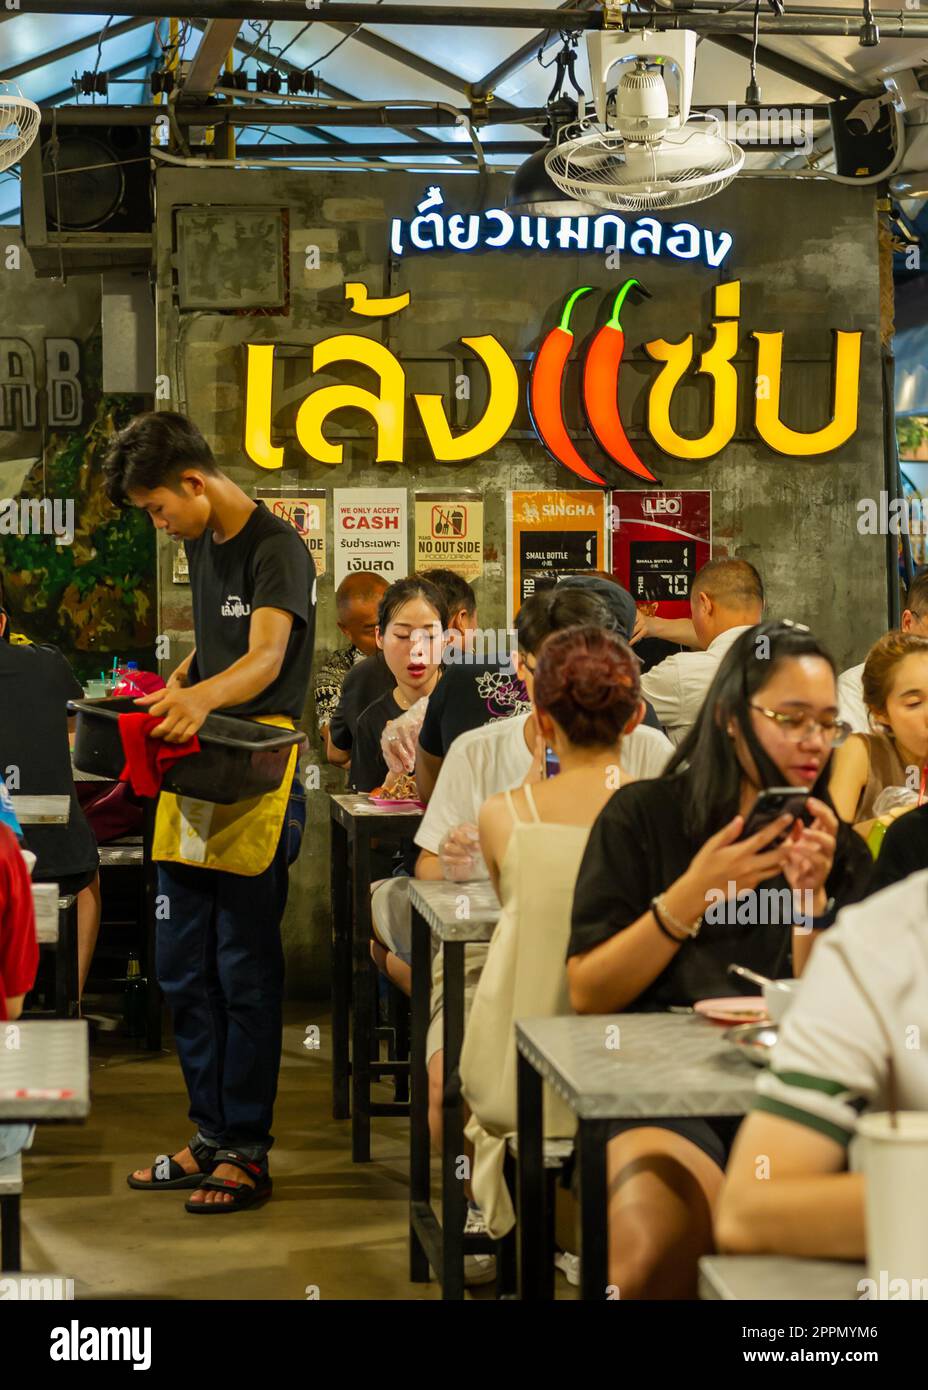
238	758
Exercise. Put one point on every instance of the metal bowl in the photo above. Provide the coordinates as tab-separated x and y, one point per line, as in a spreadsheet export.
753	1040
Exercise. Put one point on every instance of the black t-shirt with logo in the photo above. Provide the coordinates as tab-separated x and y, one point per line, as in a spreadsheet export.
265	565
468	696
36	684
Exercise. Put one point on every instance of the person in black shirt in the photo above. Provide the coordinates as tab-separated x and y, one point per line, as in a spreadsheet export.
220	958
36	684
371	678
410	629
657	855
904	850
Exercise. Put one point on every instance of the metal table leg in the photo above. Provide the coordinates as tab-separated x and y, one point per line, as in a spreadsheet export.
148	918
341	970
453	1201
10	1242
419	1147
536	1238
594	1258
66	967
363	1000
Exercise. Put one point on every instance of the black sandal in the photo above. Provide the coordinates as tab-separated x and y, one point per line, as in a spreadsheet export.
243	1195
178	1177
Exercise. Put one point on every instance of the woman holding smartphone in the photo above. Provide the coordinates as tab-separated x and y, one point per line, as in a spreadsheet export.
658	855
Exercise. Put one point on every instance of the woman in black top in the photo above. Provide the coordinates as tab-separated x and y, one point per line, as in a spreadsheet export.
411	622
659	853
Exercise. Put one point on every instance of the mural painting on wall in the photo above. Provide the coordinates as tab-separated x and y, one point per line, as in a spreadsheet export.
601	366
78	572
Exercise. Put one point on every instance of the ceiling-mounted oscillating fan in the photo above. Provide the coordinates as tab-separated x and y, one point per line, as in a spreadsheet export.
643	152
19	125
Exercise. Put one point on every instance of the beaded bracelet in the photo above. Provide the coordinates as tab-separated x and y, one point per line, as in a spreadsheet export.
691	930
678	940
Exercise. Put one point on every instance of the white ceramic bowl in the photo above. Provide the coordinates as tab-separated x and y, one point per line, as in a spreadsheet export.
779	1000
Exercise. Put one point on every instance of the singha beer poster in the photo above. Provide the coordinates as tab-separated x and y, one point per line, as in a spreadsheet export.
552	534
449	533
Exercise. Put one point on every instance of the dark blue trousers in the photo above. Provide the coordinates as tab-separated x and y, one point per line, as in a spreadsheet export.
221	967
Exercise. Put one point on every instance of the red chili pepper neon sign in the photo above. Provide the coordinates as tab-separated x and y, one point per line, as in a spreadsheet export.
600	382
545	395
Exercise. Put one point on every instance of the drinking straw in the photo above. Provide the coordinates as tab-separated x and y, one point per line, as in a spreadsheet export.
892	1094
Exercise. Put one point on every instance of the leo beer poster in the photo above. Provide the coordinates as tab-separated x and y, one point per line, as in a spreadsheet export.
551	534
449	532
369	531
660	540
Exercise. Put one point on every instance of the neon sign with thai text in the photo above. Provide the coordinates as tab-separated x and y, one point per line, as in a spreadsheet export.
499	230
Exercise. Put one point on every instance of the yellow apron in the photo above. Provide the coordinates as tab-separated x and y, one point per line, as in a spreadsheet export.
237	839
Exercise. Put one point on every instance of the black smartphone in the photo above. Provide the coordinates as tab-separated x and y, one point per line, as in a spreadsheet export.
552	763
775	802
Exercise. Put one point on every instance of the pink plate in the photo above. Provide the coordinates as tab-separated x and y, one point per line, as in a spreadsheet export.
740	1008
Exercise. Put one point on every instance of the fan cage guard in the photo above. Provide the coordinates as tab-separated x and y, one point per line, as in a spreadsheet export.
592	167
20	115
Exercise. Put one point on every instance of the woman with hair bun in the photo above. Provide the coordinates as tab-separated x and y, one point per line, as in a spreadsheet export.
895	687
586	698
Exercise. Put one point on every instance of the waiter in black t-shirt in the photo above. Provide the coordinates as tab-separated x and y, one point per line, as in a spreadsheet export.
223	870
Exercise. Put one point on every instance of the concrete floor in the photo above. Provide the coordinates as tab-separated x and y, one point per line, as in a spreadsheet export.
339	1226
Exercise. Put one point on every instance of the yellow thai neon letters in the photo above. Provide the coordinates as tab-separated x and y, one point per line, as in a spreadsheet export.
844	406
259	375
386	409
496	419
358	298
717	363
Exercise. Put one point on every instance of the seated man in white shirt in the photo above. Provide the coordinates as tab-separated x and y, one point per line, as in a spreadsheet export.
727	598
851	706
845	1047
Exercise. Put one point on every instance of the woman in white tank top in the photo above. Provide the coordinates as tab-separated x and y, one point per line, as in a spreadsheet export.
586	697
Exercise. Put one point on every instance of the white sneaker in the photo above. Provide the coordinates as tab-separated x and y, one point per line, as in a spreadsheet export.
569	1265
478	1269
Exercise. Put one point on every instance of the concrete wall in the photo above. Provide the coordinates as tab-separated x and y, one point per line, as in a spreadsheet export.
806	254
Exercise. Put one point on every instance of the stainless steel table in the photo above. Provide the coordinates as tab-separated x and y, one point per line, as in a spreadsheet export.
56	925
778	1278
453	914
44	1071
610	1067
41	810
44	1076
355	822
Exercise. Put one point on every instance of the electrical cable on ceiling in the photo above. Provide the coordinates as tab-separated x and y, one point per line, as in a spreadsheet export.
342	40
752	95
254	24
459	116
